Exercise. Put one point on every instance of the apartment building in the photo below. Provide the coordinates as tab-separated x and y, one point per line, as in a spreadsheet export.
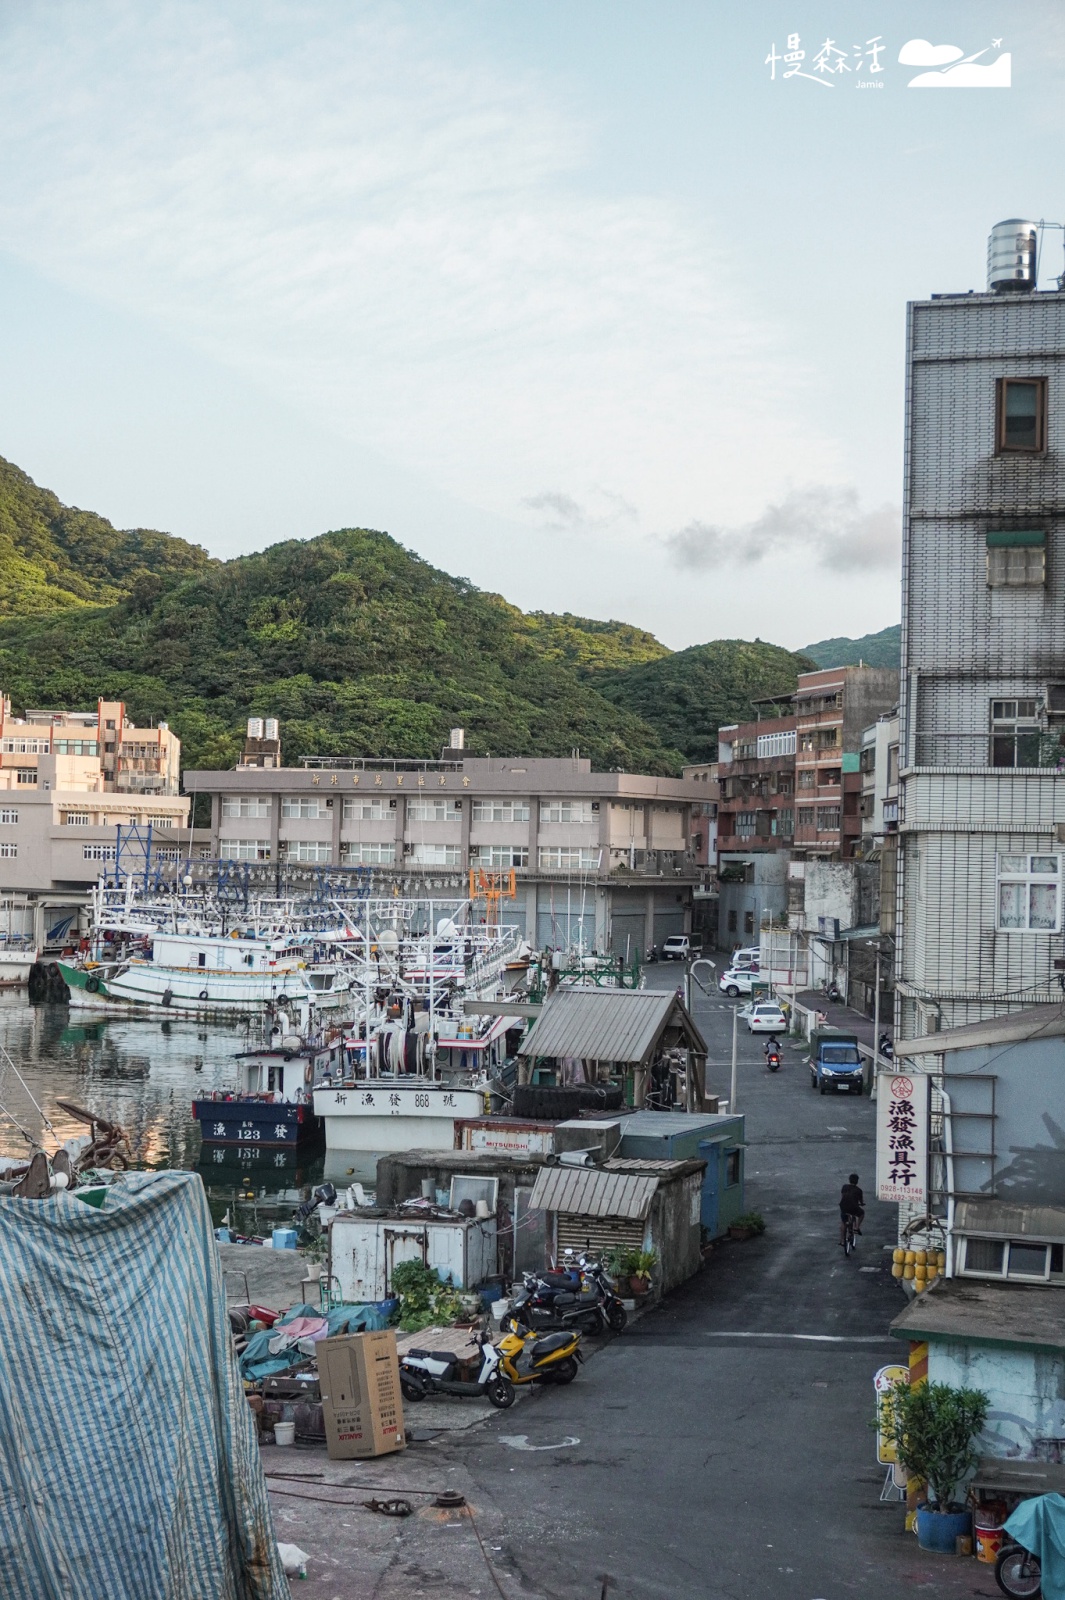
601	859
755	823
982	786
704	850
832	710
68	779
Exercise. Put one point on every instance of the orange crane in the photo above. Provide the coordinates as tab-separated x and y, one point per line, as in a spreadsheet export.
492	888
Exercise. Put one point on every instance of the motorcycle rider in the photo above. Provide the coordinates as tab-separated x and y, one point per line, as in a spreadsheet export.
851	1204
772	1047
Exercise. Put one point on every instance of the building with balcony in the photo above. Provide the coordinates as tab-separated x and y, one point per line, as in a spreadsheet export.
704	849
832	709
603	860
68	779
755	823
982	780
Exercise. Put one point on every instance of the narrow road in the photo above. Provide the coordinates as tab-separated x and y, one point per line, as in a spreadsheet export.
721	1448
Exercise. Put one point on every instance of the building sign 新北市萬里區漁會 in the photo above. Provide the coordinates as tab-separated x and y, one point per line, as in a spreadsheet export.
902	1137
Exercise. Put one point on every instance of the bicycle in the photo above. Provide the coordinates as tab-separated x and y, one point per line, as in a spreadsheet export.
849	1241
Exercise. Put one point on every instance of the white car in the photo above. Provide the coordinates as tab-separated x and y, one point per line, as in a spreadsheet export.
765	1018
676	948
736	981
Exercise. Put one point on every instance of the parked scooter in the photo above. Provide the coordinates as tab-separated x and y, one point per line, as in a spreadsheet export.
425	1372
594	1308
887	1049
526	1356
652	954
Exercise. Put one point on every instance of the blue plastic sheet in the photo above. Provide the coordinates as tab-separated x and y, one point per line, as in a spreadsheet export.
256	1361
1039	1525
129	1465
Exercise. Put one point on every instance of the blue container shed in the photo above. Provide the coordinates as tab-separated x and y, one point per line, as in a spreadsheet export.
692	1136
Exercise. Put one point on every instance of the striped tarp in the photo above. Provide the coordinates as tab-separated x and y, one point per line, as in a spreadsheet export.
129	1468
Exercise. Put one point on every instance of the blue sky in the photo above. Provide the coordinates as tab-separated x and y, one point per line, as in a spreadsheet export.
575	300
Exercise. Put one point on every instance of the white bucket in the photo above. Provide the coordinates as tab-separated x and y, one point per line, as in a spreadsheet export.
284	1433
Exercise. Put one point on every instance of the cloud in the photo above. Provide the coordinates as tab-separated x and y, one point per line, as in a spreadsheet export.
824	525
922	53
561	511
996	74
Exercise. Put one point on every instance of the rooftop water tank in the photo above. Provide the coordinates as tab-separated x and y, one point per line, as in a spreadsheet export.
1012	249
255	727
271	727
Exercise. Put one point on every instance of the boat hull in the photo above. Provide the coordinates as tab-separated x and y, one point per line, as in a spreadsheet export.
385	1118
169	992
15	968
255	1123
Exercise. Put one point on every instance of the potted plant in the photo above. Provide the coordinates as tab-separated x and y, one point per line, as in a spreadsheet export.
638	1266
936	1428
747	1226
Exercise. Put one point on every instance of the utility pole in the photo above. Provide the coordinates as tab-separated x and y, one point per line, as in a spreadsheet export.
876	1021
733	1089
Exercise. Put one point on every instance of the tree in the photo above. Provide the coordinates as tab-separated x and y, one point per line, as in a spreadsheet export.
936	1428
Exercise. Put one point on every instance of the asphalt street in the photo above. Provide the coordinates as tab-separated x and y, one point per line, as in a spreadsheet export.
721	1447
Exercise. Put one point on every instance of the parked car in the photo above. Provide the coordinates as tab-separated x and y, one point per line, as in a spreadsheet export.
835	1062
736	981
677	947
749	957
766	1017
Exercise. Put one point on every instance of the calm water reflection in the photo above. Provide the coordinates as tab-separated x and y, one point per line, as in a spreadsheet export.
145	1074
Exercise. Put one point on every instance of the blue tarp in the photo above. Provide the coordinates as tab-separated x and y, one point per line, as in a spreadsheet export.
129	1465
1039	1525
257	1363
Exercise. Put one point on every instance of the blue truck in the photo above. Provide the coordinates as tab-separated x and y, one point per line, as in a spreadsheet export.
835	1062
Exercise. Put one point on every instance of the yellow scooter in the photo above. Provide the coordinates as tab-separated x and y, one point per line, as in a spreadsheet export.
528	1357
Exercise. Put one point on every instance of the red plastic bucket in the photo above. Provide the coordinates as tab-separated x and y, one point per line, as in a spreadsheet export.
989	1537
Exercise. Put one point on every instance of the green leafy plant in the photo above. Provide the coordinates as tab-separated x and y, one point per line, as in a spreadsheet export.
632	1263
425	1301
936	1428
750	1219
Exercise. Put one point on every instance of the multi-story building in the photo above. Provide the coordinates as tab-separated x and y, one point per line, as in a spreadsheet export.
982	786
755	823
704	849
601	859
68	779
832	710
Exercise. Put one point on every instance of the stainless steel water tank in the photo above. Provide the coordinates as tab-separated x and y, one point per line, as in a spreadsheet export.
1011	256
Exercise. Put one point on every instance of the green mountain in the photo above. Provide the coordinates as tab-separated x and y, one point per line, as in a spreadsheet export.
355	643
686	697
881	649
54	556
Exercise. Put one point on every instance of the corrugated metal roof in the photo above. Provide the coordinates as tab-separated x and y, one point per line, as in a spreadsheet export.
606	1024
656	1123
591	1192
641	1164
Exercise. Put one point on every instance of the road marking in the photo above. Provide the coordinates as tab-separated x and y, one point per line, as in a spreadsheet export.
814	1338
520	1441
833	1129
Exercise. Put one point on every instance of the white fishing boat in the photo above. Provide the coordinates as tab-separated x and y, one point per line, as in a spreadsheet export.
17	956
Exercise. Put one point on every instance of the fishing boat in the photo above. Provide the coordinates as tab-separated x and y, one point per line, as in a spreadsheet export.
270	1106
17	958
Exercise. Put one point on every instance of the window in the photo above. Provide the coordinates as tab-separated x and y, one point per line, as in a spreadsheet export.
745	824
368	853
244	806
26	747
806	816
1029	893
25	774
162	822
748	923
8	851
422	810
807	778
984	1255
302	805
569	858
828	819
76	747
372	808
732	1169
732	922
776	744
243	850
567	811
1014	733
8	814
786	824
499	855
784	783
1021	414
1016	559
435	855
167	852
1029	1259
77	819
307	850
501	811
830	777
98	852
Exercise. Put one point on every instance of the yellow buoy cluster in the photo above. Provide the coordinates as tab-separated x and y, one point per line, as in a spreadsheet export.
921	1267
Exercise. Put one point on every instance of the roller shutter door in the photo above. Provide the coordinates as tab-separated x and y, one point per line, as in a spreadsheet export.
600	1234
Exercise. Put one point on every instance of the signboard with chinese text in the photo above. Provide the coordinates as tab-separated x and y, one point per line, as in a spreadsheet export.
902	1107
883	1383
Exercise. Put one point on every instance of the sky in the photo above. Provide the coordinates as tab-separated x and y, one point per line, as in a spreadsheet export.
599	305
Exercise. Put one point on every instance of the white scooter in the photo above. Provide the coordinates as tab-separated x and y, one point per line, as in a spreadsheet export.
425	1372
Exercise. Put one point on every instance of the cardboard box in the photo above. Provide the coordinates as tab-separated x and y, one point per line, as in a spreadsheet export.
361	1402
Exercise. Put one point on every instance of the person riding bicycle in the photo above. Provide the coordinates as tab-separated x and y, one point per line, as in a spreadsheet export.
851	1204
